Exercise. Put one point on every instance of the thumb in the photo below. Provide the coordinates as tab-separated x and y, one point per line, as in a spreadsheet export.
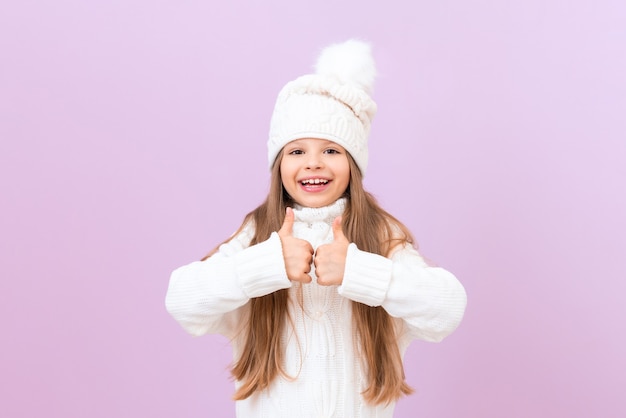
338	230
287	228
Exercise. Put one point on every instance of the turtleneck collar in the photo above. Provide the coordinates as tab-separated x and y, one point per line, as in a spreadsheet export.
326	214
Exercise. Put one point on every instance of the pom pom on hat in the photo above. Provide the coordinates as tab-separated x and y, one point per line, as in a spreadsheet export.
350	63
333	104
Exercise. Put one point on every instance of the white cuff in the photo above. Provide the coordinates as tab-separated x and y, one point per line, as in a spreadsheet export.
261	268
366	278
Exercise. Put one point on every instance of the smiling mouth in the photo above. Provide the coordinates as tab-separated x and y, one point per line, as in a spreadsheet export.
314	182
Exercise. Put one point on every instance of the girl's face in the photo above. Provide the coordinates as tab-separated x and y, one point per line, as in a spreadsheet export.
315	172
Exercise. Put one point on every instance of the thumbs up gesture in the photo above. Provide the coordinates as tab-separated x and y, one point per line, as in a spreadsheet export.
330	259
297	253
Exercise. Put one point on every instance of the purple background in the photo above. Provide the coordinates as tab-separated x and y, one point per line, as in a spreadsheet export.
133	140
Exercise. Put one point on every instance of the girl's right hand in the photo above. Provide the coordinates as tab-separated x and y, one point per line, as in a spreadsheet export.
298	253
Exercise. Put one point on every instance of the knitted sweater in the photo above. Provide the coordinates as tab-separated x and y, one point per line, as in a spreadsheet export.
211	296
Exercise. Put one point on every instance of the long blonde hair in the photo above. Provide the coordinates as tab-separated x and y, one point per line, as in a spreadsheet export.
372	229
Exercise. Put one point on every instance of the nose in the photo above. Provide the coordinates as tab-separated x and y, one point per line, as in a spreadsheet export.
314	161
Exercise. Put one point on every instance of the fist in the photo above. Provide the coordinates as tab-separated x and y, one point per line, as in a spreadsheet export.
330	259
297	253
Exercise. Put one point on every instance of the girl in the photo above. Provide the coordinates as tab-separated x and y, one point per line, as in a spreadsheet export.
320	290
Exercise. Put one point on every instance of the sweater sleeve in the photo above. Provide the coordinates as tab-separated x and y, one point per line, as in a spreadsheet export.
206	296
430	300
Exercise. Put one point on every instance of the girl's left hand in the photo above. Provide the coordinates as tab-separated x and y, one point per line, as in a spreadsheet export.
330	259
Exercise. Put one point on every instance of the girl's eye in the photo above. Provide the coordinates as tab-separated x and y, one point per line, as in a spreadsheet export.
331	151
296	152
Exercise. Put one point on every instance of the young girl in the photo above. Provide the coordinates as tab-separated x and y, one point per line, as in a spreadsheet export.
320	290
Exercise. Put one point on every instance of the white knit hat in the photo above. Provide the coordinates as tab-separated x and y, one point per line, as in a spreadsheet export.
333	104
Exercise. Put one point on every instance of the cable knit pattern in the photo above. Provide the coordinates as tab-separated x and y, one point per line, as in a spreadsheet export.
211	297
316	107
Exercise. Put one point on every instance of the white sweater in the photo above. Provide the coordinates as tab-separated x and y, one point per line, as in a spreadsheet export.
211	297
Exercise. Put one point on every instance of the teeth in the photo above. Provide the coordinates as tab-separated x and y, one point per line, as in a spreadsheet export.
314	181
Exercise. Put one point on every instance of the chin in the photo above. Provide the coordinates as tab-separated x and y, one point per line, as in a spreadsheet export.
310	203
